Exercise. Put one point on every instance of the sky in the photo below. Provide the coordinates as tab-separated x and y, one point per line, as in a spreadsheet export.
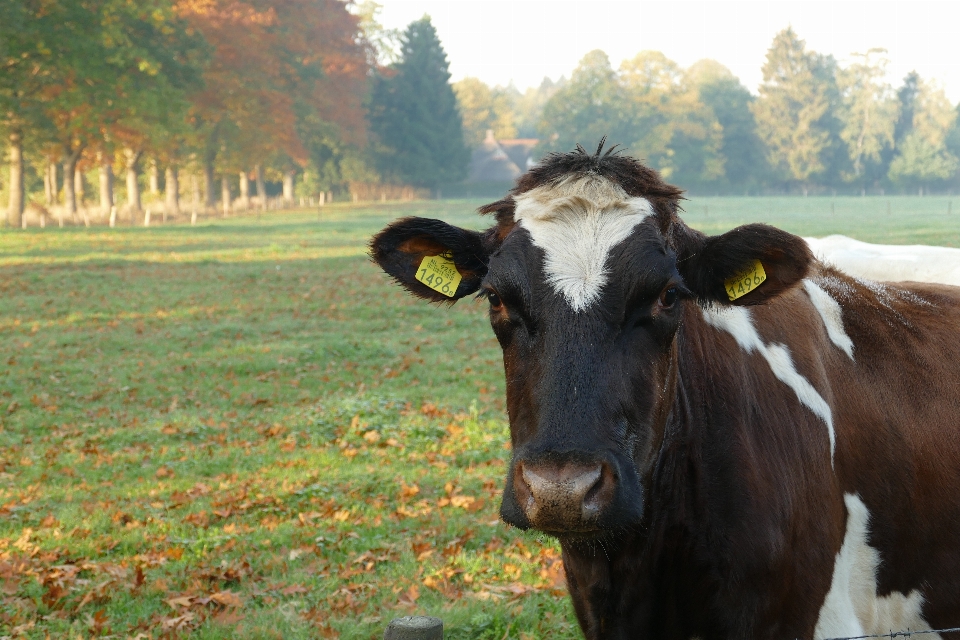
521	41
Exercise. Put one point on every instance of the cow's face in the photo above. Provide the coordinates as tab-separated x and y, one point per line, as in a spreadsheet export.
588	284
585	300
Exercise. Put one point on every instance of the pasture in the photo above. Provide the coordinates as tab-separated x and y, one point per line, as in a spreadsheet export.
242	429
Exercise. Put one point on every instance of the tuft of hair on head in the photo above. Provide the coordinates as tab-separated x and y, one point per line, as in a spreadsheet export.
630	174
634	177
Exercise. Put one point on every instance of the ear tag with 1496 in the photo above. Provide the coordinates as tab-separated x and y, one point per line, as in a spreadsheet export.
440	274
745	281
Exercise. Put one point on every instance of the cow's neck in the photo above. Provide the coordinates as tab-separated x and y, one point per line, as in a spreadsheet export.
665	577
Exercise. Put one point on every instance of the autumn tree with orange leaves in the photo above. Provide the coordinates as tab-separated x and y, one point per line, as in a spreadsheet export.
282	75
230	87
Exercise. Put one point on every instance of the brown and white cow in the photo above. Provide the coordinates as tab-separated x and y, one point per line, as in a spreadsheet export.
785	465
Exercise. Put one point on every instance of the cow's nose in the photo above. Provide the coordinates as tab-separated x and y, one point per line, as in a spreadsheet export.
563	497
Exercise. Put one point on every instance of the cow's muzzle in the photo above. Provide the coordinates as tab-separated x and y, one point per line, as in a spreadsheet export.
563	497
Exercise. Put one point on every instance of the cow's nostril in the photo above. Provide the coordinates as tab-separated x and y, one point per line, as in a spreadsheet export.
565	496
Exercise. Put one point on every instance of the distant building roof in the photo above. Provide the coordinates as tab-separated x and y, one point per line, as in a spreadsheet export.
490	163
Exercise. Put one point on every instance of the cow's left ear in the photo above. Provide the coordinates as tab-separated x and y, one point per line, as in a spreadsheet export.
746	266
432	259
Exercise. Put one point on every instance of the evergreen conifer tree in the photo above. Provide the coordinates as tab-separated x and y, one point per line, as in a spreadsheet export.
414	114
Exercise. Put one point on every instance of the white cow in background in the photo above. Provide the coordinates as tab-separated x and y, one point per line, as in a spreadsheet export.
887	262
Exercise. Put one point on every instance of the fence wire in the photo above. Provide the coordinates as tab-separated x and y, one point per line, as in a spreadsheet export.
898	634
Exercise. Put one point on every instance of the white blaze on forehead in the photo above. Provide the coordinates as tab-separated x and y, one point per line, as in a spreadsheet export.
831	314
576	223
852	607
737	322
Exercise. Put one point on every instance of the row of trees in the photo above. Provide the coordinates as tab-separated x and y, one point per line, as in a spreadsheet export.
815	124
217	87
231	91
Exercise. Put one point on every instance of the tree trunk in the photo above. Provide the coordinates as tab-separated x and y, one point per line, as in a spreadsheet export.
195	197
15	217
80	191
244	190
225	195
78	187
154	173
288	179
133	187
261	187
50	184
106	186
69	196
172	191
209	197
47	198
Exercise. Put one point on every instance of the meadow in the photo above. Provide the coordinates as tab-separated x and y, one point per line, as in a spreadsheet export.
243	430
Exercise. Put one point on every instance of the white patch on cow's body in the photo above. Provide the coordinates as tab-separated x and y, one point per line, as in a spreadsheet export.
576	223
831	314
891	263
737	322
852	607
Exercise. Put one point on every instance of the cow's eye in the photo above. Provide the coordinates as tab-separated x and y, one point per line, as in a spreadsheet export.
496	304
668	297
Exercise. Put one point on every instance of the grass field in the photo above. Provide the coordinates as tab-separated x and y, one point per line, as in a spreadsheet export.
243	430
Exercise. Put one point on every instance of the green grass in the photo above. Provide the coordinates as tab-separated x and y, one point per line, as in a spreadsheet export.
244	430
884	220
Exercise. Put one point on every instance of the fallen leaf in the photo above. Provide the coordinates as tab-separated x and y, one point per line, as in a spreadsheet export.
409	597
294	589
227	599
180	601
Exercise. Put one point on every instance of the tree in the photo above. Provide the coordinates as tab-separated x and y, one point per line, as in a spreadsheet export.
414	114
587	108
868	113
279	73
952	141
906	103
793	102
667	122
923	157
740	148
384	42
483	108
43	46
528	107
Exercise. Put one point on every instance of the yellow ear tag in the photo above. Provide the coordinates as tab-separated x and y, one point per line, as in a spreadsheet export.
440	274
745	281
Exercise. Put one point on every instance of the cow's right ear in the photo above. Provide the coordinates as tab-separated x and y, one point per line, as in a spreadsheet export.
427	256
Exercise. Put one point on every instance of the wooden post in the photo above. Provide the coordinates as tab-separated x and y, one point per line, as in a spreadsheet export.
414	628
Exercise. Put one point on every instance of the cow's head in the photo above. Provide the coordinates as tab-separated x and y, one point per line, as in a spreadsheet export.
588	273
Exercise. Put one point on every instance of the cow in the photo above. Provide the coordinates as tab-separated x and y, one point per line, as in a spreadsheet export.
895	263
728	438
